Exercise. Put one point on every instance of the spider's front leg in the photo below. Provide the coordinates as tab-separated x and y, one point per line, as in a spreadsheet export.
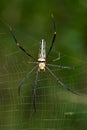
23	80
34	93
62	84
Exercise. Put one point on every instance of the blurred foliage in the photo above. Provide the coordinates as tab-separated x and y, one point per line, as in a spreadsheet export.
31	21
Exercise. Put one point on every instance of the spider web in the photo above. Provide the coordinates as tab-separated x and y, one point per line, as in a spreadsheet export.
57	109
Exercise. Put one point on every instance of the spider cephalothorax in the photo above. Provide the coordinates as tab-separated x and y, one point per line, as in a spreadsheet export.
41	66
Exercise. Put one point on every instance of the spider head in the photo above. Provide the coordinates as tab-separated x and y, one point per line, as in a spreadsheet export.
41	64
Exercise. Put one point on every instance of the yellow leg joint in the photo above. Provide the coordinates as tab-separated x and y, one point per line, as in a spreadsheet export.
55	33
18	44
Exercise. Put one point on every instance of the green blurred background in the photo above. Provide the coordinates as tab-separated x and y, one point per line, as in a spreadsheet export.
57	109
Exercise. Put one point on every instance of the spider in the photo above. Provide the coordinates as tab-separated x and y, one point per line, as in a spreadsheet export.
41	63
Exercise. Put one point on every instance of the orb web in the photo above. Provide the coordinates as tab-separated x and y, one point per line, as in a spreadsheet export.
56	108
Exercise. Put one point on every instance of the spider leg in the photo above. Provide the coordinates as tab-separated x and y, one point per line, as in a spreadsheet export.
23	80
62	84
58	58
16	41
54	36
62	67
31	62
34	94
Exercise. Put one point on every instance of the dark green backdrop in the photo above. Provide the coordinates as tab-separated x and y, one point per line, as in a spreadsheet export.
57	109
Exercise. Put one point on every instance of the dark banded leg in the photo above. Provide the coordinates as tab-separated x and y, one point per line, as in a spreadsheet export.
54	36
17	43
